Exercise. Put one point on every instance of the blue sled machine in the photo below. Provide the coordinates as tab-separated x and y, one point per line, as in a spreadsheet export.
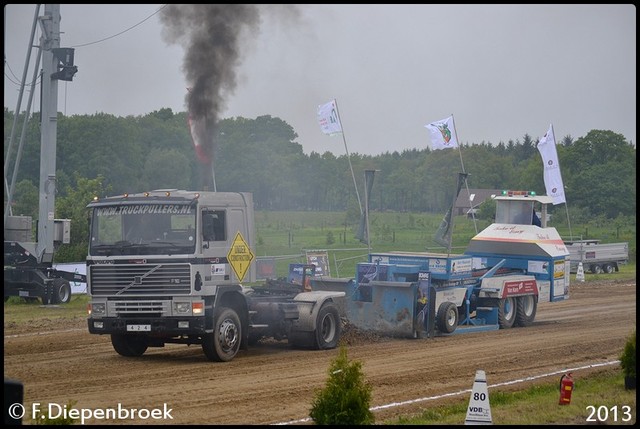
497	283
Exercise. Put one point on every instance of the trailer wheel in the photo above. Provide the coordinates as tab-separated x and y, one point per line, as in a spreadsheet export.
328	327
223	344
608	268
447	317
129	345
526	310
506	312
61	291
595	269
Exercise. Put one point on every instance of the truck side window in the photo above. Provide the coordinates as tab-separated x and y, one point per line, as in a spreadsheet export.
214	225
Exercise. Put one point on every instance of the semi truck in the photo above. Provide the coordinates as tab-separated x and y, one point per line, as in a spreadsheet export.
597	257
497	283
173	266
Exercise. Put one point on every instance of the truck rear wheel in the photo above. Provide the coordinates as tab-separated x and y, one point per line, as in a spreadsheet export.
506	312
61	291
328	327
447	317
129	345
595	269
223	344
608	268
526	310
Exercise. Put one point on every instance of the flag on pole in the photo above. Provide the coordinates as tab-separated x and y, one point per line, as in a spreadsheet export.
443	134
552	175
328	118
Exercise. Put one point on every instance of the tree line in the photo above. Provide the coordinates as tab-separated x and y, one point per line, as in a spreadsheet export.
105	154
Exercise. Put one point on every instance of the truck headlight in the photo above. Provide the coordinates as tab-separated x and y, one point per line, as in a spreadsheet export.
97	309
183	307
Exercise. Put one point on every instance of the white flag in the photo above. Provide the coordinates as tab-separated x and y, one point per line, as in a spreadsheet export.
552	176
443	134
328	118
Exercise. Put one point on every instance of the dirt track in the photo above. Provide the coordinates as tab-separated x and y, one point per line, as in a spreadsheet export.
272	383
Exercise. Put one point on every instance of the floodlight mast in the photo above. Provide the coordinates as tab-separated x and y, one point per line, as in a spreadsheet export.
50	39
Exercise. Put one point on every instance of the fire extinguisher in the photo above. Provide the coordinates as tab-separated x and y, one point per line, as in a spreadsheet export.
566	387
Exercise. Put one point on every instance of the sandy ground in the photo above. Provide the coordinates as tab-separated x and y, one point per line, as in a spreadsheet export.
272	383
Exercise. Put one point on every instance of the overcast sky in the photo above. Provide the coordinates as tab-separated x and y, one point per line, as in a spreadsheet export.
503	71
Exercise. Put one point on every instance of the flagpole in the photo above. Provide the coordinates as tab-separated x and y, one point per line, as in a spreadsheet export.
366	210
466	184
344	140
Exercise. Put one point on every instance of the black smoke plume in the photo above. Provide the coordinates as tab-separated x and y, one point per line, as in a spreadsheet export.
213	36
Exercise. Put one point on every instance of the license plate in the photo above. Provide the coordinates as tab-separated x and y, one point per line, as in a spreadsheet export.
139	328
23	293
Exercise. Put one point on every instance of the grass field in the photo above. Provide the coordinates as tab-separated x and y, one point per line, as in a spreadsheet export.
597	399
291	234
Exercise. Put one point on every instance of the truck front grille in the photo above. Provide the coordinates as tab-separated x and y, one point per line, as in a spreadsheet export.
140	280
138	308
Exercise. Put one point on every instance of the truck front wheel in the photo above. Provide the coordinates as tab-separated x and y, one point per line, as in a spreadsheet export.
328	327
223	344
129	345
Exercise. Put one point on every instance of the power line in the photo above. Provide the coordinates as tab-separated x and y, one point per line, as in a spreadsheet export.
123	31
17	80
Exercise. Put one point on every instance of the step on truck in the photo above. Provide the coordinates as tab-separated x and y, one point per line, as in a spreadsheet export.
168	266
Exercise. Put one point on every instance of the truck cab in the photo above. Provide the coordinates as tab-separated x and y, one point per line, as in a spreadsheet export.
164	266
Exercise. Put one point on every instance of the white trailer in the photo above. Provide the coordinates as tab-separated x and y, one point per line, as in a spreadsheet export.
597	257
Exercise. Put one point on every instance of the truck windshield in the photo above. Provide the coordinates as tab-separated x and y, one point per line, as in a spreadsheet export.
143	229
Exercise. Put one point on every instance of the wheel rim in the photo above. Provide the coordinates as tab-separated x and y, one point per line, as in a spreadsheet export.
509	309
228	337
452	318
328	328
64	294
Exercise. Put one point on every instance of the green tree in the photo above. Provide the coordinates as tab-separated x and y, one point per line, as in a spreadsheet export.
599	173
26	199
74	206
346	396
166	169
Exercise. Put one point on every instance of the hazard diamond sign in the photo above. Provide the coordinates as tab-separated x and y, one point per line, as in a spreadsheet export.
240	256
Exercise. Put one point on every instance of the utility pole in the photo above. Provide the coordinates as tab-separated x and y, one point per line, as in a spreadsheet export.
57	64
50	40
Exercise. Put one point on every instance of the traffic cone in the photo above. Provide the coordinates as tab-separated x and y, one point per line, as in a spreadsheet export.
580	273
479	410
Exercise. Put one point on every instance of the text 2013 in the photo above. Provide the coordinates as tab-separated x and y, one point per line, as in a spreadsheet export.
604	414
